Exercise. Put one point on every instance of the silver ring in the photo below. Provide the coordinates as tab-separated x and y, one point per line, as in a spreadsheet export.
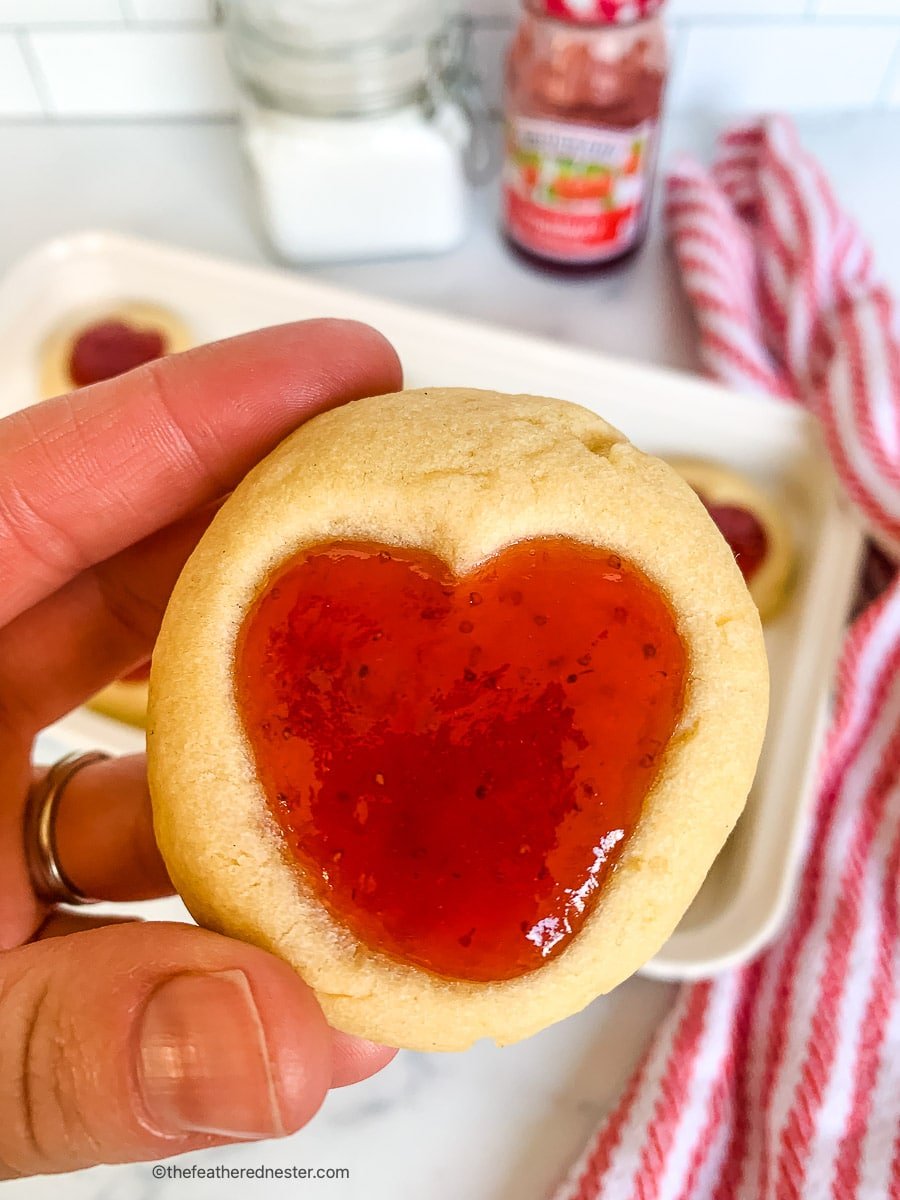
50	881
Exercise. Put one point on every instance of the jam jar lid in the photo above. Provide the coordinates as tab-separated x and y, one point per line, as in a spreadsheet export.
598	12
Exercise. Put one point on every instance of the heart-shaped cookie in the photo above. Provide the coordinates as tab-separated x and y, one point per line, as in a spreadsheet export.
457	763
452	708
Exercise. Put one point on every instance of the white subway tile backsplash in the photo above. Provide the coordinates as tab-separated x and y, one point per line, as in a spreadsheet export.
59	12
857	8
135	73
187	12
737	8
799	67
18	95
126	58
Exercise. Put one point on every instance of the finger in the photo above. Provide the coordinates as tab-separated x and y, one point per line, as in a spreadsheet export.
106	846
60	923
104	843
20	911
85	475
97	627
355	1059
143	1041
104	833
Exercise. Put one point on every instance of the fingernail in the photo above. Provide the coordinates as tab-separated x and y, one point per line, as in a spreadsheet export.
203	1065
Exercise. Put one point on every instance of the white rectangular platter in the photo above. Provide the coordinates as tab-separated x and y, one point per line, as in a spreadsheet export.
747	895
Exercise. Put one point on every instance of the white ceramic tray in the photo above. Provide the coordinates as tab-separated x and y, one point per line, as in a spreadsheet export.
747	894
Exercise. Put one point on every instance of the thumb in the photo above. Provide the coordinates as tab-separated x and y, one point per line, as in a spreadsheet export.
132	1042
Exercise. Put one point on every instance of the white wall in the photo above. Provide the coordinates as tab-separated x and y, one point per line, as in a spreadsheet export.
111	58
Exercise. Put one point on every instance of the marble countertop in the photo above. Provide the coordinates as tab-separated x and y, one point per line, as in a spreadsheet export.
489	1124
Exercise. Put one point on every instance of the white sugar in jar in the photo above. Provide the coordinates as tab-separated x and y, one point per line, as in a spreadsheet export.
356	143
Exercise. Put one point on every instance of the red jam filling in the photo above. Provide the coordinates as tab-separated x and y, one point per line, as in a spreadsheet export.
744	533
111	348
457	763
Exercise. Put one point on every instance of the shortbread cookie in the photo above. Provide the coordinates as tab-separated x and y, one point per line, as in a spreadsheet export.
453	707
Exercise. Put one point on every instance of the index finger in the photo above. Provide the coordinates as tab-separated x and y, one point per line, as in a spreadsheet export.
85	475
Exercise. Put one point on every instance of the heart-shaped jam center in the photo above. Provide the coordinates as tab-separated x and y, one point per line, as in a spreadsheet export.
744	533
457	763
111	348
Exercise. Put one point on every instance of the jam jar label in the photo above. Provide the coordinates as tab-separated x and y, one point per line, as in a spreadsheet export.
576	194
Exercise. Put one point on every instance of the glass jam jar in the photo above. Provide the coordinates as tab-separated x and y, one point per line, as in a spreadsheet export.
585	83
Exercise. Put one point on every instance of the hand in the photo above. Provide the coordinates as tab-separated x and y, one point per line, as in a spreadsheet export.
122	1041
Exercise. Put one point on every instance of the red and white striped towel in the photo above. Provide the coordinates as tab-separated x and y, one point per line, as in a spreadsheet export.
783	1079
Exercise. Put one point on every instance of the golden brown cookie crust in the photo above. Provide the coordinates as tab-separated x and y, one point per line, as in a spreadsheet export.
56	351
771	585
461	474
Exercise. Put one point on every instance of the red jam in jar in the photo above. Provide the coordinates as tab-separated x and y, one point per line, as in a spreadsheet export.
456	764
585	81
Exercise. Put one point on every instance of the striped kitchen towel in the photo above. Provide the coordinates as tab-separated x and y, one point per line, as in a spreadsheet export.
782	1080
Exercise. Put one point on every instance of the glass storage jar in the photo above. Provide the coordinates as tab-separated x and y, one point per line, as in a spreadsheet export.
356	143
